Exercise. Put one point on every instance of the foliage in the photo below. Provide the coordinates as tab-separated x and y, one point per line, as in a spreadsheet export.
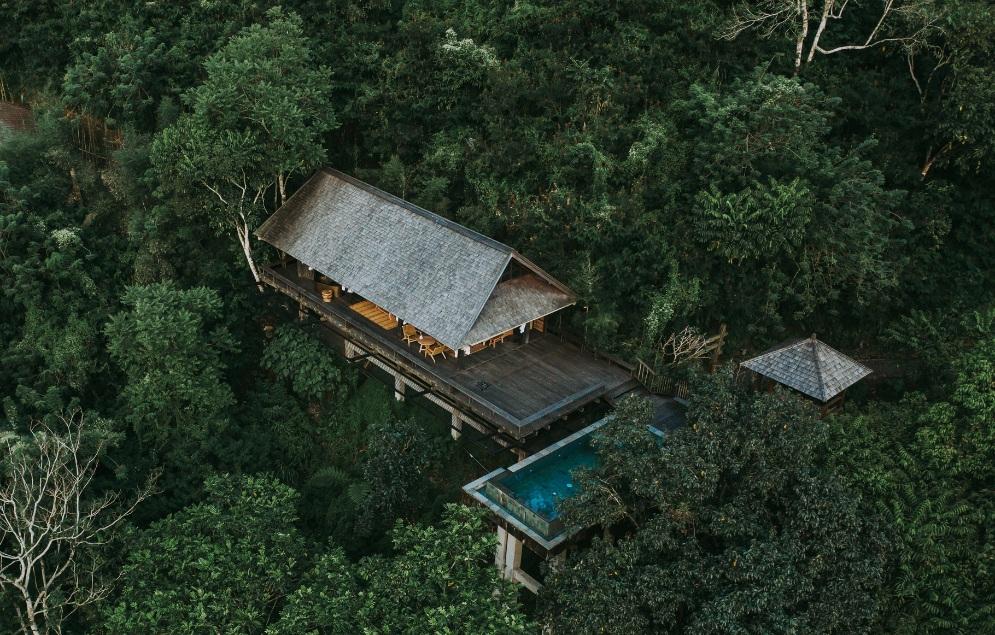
399	455
171	347
929	478
298	357
436	581
781	199
220	565
55	291
735	523
325	602
257	119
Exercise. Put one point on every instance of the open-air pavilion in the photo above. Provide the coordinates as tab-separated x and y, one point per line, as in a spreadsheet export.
449	313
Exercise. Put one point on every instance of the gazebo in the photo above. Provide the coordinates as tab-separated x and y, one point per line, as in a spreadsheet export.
811	367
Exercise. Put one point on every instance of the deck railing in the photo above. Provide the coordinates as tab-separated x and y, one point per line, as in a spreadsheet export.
659	384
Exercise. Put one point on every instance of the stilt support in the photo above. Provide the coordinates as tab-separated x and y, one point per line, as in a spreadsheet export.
512	557
502	547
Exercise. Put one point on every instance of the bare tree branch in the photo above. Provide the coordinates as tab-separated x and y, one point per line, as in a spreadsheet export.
51	523
909	23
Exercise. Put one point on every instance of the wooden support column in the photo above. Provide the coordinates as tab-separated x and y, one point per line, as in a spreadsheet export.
520	453
456	427
399	387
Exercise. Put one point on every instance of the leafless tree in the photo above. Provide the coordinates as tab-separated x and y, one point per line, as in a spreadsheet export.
905	23
51	525
684	347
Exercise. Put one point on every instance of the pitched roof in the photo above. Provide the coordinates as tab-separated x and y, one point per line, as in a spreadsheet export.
427	270
811	367
15	117
516	301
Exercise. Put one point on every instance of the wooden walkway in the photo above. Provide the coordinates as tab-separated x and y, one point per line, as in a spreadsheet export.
518	388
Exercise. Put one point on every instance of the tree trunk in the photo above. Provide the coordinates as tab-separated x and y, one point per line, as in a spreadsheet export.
281	183
242	229
800	44
826	8
30	617
931	158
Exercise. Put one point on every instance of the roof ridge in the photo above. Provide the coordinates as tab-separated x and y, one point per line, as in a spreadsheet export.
777	349
845	356
818	367
487	298
421	211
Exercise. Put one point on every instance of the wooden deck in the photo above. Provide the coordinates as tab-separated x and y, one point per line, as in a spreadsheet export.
518	388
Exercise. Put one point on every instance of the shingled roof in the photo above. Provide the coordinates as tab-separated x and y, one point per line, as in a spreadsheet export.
811	367
15	117
429	271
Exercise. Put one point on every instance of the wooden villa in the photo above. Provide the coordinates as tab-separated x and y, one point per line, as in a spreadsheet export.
450	314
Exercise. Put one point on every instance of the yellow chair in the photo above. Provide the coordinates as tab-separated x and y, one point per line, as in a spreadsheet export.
409	333
436	349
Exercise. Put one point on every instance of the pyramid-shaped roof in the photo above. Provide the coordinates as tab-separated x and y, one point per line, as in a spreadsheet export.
811	367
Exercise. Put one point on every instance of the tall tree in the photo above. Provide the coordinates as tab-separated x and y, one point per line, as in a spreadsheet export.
172	348
439	580
926	467
905	23
257	119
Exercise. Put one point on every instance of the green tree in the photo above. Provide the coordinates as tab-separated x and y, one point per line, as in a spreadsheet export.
325	603
258	118
440	580
172	347
797	221
399	459
304	362
437	580
220	565
926	468
734	524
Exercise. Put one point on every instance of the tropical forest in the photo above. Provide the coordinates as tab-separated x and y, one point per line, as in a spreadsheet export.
374	317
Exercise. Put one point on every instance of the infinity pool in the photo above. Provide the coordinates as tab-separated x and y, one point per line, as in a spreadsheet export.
527	494
542	485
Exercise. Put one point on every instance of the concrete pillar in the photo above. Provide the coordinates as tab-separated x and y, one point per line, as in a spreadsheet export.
456	427
399	387
502	546
520	453
512	557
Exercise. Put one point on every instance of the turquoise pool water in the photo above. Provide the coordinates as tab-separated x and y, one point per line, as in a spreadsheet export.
541	485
